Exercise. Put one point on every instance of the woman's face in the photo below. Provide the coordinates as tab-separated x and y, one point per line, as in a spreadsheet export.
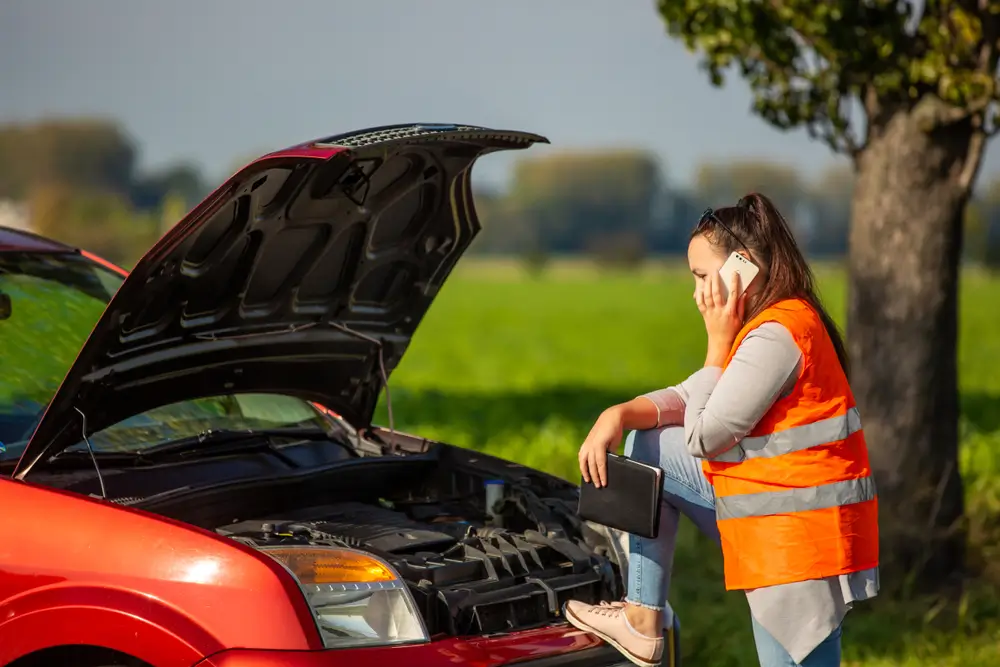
704	258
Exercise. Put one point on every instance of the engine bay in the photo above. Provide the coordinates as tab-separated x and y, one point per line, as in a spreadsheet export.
468	577
473	566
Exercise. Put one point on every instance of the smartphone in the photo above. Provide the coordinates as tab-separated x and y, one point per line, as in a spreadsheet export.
737	263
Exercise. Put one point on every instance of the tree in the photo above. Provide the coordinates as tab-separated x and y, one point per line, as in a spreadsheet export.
181	181
101	222
722	184
91	154
907	90
173	208
503	232
571	198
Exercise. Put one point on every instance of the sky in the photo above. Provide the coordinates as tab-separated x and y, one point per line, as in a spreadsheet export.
214	82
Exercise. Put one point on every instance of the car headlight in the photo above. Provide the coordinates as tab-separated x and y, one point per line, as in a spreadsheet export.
357	599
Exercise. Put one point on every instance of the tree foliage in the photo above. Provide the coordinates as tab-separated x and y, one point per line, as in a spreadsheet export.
723	183
808	64
618	216
83	153
818	211
572	198
80	182
180	181
101	222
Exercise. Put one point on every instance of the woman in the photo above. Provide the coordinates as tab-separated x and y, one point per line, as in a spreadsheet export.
783	482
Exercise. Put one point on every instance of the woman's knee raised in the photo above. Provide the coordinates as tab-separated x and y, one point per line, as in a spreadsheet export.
643	446
653	445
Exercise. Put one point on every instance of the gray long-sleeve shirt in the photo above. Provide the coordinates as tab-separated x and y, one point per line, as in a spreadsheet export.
717	410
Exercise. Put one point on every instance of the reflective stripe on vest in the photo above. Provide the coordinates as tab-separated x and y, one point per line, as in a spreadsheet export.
768	503
799	503
797	438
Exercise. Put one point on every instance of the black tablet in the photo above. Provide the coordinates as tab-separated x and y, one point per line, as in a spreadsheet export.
631	500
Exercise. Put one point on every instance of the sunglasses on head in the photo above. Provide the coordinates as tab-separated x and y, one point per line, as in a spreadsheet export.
709	216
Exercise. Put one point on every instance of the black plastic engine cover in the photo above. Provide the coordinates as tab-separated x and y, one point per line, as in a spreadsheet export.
351	524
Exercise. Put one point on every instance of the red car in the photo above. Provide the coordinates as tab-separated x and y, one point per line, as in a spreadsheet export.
181	499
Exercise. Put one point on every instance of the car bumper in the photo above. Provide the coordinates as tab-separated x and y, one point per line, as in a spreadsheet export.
561	646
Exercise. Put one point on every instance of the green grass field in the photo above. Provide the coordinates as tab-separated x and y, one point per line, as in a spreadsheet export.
520	367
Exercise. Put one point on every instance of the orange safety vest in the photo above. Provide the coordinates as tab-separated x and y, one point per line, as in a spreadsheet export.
801	503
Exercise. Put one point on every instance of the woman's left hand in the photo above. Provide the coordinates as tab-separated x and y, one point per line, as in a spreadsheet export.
723	318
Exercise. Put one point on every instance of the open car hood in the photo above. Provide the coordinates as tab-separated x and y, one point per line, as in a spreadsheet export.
302	275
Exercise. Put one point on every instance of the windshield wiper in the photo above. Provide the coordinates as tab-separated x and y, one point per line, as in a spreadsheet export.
239	440
210	443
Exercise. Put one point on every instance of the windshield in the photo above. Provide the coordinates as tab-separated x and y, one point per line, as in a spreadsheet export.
50	303
191	418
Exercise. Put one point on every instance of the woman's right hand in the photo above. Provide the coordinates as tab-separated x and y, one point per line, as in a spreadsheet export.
605	436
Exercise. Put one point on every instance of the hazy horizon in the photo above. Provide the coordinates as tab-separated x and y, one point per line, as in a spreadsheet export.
210	83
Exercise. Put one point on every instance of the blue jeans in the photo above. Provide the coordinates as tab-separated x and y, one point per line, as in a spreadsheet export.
687	491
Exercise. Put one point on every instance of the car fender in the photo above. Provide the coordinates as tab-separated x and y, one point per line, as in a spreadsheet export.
122	620
85	554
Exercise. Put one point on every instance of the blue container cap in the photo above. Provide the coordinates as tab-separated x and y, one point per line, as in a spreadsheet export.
492	481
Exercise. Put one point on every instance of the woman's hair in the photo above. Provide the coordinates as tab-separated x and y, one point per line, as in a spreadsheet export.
756	226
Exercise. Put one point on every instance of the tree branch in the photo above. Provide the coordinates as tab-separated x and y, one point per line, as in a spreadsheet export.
839	140
977	147
981	109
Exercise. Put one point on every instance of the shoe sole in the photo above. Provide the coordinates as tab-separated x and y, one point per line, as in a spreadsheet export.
580	625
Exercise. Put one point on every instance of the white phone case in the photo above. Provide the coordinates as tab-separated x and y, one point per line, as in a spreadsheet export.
737	263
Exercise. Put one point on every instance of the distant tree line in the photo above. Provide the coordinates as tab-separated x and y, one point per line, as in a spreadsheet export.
618	207
82	184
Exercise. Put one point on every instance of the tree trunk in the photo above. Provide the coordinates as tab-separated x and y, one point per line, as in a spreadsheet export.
902	329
